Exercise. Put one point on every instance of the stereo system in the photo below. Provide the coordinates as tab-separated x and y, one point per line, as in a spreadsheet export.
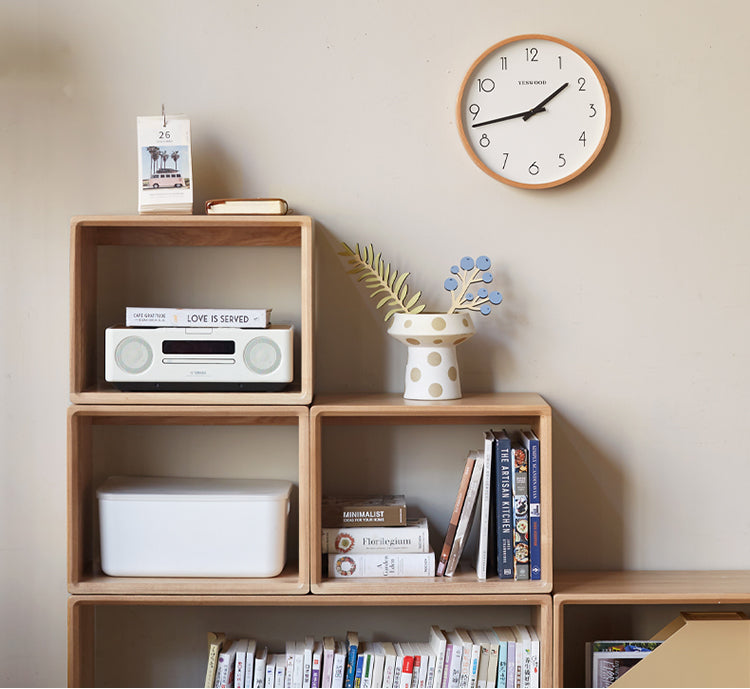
199	359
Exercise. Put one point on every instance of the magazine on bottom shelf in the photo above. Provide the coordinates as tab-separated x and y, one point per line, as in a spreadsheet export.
606	661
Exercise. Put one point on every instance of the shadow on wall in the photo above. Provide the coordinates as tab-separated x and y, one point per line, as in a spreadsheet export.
590	494
350	335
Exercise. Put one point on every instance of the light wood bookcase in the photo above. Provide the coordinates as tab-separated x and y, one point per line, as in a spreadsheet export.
115	260
103	417
632	605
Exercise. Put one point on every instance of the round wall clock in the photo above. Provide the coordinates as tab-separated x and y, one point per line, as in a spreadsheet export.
533	111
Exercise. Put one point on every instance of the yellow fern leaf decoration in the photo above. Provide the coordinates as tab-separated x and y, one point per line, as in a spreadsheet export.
382	280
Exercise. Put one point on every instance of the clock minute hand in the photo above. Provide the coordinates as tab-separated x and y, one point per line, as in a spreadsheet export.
540	108
507	117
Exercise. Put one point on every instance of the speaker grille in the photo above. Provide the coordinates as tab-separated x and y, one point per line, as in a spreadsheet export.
262	355
133	355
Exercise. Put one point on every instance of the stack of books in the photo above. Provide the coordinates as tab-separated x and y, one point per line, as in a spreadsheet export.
501	485
371	536
490	657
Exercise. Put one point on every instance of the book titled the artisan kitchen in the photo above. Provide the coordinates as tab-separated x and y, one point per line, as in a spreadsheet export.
368	510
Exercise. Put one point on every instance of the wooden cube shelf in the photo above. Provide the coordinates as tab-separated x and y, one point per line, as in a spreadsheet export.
85	459
171	648
139	267
387	473
618	605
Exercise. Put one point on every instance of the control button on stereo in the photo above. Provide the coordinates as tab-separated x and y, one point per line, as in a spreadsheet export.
133	355
262	355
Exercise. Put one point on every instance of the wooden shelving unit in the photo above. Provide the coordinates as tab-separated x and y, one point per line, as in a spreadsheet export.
374	416
631	604
117	260
397	617
85	473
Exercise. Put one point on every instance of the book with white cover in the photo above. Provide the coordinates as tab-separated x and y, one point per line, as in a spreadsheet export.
378	664
470	659
535	657
250	663
297	667
289	648
165	166
479	636
280	676
523	656
259	674
225	667
484	507
271	661
358	565
437	644
494	657
389	666
412	538
171	317
457	651
339	665
307	652
239	663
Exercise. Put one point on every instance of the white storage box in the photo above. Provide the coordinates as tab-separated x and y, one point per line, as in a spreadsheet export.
193	527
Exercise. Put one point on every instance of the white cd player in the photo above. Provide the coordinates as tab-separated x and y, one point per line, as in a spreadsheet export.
184	359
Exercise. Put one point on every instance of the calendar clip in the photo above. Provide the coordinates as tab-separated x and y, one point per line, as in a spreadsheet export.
163	115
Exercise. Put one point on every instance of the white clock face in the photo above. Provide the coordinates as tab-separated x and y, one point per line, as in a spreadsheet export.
533	111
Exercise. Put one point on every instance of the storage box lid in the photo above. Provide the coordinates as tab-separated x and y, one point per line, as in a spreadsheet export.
185	488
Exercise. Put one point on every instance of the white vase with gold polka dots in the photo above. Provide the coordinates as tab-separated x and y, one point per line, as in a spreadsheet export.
431	365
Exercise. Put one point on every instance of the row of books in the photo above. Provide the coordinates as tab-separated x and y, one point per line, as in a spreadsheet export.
371	536
501	484
494	657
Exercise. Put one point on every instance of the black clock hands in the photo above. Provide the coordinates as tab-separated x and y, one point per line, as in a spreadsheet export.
540	107
526	114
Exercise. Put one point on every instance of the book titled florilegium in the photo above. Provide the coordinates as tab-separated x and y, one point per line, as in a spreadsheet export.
411	538
196	318
387	565
381	510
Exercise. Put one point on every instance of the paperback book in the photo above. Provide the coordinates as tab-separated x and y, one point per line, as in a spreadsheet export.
136	316
357	565
413	537
382	510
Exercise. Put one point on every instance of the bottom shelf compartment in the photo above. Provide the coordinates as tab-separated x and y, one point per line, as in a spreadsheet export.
162	640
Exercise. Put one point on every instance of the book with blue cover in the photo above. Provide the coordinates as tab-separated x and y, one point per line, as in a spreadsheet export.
531	443
503	503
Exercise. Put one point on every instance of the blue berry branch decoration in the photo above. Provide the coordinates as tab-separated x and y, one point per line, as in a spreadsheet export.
391	287
468	273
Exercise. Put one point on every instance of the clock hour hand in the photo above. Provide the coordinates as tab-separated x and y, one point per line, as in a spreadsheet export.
540	107
507	117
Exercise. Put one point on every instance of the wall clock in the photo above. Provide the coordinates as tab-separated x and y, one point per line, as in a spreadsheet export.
533	111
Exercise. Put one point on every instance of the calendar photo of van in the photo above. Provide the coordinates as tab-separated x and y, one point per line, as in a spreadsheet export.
165	165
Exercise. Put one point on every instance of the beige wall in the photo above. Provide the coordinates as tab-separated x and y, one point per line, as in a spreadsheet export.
626	292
